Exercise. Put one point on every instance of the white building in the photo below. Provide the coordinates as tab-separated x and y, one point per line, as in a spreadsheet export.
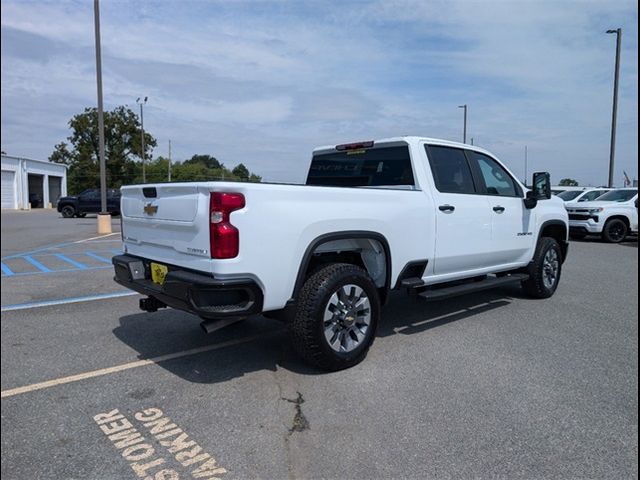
25	180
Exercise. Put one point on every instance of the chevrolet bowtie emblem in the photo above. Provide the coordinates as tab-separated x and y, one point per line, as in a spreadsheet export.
150	209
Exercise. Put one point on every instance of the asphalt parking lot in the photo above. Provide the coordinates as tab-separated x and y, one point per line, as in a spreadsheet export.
492	385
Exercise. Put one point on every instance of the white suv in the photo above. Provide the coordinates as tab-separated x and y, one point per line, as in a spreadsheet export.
613	216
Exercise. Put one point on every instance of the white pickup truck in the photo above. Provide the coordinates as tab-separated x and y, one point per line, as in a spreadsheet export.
612	216
429	216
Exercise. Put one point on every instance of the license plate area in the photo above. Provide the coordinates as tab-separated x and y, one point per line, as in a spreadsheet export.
158	272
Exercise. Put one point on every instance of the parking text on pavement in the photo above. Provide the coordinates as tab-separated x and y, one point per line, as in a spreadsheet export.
141	454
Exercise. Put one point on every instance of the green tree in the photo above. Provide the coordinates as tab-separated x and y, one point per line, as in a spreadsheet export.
568	182
190	172
122	135
208	168
156	171
241	172
207	160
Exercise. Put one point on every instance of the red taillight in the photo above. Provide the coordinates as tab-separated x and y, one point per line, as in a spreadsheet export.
224	238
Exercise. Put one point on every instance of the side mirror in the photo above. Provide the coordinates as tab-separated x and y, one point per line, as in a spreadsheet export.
541	189
542	185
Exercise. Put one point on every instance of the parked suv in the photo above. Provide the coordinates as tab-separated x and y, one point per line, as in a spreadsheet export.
613	216
89	201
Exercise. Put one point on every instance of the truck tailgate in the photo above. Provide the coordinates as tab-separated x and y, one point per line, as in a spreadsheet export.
171	202
167	223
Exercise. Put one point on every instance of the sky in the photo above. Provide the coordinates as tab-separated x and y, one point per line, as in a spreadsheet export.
264	82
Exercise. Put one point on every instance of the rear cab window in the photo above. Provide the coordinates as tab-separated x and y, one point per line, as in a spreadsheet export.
379	166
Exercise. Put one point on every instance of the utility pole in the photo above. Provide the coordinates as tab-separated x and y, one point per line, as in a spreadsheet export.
614	114
169	171
104	219
464	132
143	151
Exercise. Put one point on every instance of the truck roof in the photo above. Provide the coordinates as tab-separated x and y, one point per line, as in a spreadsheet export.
410	139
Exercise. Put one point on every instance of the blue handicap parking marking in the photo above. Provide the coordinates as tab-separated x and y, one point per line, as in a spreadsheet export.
6	270
78	265
37	264
59	259
100	258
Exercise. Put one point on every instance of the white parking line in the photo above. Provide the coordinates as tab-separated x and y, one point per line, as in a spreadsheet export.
127	366
63	301
97	238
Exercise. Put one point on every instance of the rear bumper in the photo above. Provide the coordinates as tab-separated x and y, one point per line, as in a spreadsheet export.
196	293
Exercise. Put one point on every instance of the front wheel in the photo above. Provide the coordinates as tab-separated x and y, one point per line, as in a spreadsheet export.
615	230
68	211
544	270
336	317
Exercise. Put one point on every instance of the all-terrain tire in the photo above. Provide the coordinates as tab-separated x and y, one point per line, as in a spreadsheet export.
548	256
307	328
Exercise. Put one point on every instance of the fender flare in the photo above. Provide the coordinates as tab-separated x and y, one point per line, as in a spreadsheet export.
564	246
342	235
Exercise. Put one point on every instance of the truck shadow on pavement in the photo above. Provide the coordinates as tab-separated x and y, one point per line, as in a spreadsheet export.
407	316
259	343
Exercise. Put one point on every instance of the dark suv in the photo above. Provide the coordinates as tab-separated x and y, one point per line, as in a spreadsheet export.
89	202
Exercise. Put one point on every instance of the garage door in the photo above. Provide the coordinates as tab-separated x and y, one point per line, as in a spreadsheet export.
55	185
8	192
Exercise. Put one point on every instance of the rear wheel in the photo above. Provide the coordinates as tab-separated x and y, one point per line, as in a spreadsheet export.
544	270
68	211
615	230
336	317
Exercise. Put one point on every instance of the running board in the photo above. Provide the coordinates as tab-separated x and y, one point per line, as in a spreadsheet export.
489	282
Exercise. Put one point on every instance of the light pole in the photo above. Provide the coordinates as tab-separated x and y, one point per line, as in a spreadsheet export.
464	132
104	219
614	114
143	153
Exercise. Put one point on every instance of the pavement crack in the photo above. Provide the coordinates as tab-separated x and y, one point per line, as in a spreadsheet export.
300	422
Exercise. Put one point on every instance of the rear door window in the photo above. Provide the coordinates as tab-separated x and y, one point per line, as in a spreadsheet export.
450	168
371	167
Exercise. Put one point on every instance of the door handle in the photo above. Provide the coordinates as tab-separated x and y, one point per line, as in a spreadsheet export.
498	209
446	208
